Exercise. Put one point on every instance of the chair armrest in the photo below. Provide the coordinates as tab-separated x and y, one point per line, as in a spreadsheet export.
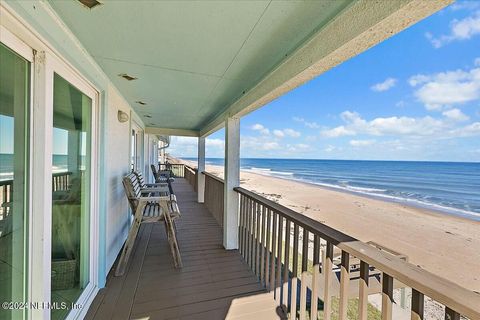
153	190
165	198
155	185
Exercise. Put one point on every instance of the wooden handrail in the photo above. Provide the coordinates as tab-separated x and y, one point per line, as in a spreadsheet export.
457	299
213	176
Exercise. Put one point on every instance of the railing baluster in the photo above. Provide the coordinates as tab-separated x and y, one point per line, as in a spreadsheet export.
303	287
247	238
274	260
279	259
451	314
387	296
327	265
252	235
315	278
363	291
249	233
264	246
286	270
417	305
257	249
245	224
267	248
241	226
344	285
293	302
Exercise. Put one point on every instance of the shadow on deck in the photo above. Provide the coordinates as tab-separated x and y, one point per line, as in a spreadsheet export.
213	284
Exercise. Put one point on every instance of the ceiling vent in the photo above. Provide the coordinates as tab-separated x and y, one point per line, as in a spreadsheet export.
141	103
90	3
127	77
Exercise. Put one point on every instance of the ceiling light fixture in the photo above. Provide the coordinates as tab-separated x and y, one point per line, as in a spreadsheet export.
127	77
90	3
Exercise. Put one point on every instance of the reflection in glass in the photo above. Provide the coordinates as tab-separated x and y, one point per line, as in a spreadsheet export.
14	101
70	194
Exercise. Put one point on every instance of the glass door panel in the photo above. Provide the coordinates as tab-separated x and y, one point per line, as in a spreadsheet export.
71	150
14	102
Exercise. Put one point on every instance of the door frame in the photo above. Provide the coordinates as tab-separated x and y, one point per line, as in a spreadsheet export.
58	67
23	50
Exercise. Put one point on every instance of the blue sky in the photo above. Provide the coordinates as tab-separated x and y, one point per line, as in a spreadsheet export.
416	96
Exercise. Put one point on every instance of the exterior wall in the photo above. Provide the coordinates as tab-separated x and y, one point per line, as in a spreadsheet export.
116	164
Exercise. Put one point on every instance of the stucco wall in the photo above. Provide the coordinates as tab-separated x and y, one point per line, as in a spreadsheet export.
117	153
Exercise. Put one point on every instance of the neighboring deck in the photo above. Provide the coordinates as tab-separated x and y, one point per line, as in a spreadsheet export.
213	284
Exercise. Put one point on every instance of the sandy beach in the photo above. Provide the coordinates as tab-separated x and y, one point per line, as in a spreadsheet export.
446	245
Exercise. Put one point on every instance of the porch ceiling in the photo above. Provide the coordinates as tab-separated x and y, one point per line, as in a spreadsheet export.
195	59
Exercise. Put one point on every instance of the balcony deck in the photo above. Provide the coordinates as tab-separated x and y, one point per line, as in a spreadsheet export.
213	284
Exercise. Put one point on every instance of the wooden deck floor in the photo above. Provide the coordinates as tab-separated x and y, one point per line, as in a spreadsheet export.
213	284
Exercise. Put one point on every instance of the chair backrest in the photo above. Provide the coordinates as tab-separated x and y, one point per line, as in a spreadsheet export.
140	179
132	187
154	171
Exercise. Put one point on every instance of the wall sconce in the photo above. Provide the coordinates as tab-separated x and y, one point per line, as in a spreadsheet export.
122	116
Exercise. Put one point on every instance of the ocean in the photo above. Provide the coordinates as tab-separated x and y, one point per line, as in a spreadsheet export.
60	163
448	187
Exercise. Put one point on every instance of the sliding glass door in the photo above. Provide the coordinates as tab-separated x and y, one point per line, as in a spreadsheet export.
14	110
71	193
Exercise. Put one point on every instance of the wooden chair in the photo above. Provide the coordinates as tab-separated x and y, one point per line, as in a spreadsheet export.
149	205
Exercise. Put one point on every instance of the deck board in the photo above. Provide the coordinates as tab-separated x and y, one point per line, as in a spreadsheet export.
213	284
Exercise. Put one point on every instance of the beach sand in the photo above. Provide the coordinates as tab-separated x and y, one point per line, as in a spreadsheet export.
445	245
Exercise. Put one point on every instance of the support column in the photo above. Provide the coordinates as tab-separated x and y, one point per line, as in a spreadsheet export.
201	168
232	180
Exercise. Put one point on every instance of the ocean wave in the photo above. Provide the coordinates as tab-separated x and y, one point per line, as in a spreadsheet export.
268	172
407	199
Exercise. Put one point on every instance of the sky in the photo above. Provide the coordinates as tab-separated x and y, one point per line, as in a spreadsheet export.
415	96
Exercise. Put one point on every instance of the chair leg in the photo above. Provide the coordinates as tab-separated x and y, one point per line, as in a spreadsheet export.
172	238
132	235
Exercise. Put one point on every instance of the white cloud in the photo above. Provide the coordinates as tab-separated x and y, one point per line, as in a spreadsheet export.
476	62
434	128
258	144
291	133
338	132
385	85
278	133
361	143
456	115
330	148
214	142
447	88
311	125
467	131
465	5
459	30
260	128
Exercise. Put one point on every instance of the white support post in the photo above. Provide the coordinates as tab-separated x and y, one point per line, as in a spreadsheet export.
232	180
201	168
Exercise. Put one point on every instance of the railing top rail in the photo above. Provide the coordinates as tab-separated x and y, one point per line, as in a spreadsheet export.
194	170
213	176
444	291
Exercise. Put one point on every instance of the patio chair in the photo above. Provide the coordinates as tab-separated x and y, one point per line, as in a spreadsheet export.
149	205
